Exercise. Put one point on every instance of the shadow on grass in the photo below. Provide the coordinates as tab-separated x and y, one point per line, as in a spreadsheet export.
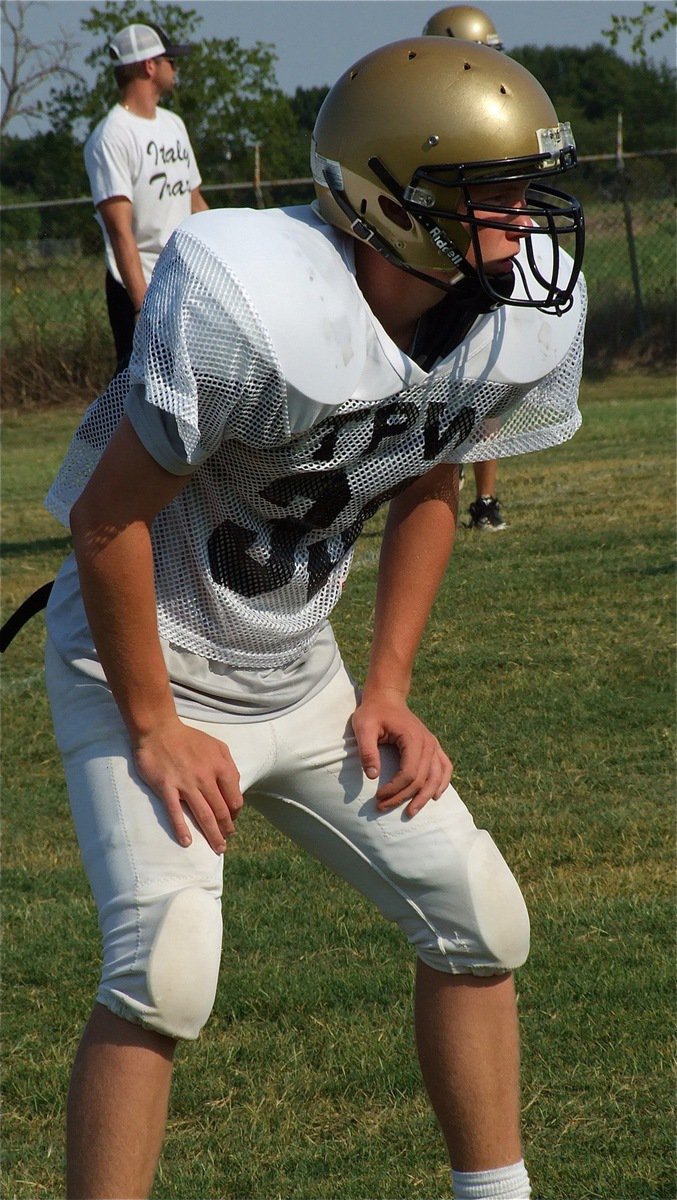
41	545
664	569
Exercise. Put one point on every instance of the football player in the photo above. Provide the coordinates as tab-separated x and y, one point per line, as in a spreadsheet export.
293	370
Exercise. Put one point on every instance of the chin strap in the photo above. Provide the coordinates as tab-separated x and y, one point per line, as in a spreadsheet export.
32	604
366	233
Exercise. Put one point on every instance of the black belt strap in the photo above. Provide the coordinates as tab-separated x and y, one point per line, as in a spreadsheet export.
31	605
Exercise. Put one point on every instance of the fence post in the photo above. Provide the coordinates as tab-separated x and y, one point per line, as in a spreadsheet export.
258	194
642	323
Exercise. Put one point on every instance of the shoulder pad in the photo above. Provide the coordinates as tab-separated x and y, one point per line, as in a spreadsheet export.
518	345
306	298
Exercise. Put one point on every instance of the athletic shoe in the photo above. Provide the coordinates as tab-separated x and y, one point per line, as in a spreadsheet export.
486	514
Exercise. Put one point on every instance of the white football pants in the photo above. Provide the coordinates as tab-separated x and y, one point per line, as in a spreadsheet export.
439	877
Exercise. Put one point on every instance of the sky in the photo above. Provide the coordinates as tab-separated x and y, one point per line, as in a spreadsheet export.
316	40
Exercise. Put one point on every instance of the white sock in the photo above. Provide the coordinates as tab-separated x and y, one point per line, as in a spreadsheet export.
503	1183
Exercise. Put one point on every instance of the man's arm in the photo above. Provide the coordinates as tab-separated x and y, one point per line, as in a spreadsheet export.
417	543
197	201
116	214
111	524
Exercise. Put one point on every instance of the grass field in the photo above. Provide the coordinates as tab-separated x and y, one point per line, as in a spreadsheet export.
548	672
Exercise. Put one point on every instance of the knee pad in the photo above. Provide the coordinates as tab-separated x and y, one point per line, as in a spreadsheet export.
480	925
183	967
501	915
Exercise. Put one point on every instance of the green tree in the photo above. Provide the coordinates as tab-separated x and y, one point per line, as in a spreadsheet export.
45	167
21	224
648	26
306	104
49	164
227	94
589	86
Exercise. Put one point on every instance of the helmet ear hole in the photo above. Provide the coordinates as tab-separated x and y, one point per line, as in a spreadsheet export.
395	213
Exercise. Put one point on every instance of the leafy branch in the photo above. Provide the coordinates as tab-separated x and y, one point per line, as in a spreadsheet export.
647	27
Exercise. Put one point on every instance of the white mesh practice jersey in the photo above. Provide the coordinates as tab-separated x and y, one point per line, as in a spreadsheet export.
275	388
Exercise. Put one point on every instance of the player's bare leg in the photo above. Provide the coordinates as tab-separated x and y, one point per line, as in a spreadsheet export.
468	1046
117	1109
486	474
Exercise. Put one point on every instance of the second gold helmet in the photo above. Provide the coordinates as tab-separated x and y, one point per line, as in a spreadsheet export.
465	22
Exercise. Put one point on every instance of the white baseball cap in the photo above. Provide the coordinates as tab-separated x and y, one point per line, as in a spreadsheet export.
136	43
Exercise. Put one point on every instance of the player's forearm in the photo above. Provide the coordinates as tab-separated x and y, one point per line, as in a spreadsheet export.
416	547
128	262
117	583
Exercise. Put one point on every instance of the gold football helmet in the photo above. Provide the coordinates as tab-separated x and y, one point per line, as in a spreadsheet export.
465	22
420	122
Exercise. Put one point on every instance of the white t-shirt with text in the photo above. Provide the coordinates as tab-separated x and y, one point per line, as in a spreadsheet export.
150	162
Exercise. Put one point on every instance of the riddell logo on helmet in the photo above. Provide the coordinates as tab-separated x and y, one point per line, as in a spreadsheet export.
444	244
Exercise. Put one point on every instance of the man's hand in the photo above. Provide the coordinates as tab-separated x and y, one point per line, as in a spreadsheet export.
425	770
186	766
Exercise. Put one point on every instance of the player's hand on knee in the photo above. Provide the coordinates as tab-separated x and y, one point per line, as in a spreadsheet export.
424	768
424	773
186	767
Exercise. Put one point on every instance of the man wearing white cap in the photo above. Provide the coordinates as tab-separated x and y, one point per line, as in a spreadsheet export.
142	172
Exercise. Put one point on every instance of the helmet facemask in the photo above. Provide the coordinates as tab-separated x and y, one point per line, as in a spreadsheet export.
546	212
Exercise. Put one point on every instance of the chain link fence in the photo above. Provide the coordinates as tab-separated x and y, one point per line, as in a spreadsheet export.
56	342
